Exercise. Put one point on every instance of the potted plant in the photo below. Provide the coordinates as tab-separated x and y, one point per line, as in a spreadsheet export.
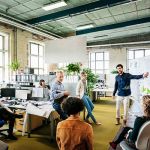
114	71
73	68
91	80
14	66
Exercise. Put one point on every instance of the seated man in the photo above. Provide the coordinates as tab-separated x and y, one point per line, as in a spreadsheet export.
7	115
139	121
58	94
73	133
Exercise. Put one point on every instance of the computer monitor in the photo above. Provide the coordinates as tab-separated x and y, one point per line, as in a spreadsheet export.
22	94
38	92
8	92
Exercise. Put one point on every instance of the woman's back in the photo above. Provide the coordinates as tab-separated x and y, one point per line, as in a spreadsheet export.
74	134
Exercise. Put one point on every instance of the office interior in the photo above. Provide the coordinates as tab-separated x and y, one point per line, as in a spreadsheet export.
91	34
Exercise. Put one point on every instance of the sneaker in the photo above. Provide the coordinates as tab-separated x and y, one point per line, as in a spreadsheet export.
11	137
98	123
88	121
113	145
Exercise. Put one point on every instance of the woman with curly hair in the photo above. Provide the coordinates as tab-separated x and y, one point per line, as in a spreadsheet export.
139	121
73	133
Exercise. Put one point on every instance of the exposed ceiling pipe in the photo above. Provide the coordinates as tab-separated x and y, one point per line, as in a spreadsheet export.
25	26
119	44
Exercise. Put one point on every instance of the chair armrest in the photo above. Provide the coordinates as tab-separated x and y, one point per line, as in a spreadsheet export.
125	146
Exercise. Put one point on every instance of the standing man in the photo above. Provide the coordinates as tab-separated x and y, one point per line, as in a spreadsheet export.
122	85
58	94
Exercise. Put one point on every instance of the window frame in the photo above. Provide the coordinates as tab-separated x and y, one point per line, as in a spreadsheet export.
104	60
38	57
134	51
4	65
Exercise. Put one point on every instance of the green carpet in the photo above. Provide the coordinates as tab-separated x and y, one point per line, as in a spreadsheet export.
104	112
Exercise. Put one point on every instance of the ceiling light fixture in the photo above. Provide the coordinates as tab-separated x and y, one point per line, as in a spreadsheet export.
54	5
85	27
100	36
131	1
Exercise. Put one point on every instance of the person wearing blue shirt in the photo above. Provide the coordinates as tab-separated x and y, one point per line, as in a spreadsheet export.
58	93
122	85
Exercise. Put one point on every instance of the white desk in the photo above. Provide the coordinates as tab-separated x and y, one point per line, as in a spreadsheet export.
103	90
44	110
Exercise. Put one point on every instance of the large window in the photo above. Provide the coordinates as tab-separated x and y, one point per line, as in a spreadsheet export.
36	58
3	58
137	53
99	62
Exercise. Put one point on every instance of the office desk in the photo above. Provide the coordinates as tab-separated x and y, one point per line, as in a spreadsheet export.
46	111
102	90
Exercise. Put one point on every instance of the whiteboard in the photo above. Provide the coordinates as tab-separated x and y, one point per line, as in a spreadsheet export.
139	87
72	49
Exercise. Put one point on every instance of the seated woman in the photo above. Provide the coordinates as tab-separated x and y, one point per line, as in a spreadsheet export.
46	90
72	133
42	84
139	121
81	93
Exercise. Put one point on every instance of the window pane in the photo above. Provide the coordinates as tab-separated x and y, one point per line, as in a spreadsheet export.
93	71
34	62
6	74
6	58
99	72
92	56
139	53
1	75
106	65
99	65
92	65
1	42
35	71
41	50
40	62
147	52
131	54
106	56
99	56
1	59
41	71
45	69
34	49
106	71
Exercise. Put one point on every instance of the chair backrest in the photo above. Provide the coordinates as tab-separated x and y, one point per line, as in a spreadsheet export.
143	139
2	122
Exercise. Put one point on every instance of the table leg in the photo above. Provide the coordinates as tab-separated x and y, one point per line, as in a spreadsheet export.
52	127
29	125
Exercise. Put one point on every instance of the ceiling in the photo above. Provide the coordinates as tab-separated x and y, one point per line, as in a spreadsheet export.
111	18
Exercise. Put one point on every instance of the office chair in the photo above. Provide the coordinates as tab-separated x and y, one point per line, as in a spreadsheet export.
143	139
2	122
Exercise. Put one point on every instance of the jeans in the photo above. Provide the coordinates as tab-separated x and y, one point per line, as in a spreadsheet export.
89	106
58	108
121	136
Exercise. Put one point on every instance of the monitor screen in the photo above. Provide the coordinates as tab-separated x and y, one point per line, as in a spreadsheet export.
8	92
38	92
22	94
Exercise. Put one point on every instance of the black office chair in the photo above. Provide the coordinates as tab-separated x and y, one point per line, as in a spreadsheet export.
2	122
